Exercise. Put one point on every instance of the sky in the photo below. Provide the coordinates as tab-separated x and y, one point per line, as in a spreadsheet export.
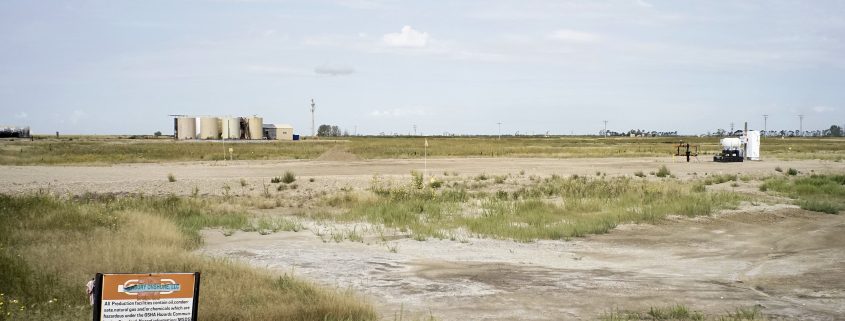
461	67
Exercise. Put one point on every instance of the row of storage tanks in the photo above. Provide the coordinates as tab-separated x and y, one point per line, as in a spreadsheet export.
219	127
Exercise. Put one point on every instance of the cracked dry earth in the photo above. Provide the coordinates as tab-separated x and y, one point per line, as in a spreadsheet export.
787	261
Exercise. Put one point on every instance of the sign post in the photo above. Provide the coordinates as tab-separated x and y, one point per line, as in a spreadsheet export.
146	297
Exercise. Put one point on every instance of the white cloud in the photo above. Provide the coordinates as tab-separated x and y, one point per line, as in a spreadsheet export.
408	37
334	70
569	35
823	109
21	115
643	3
397	112
77	115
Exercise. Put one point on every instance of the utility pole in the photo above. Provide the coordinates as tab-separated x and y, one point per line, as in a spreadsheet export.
605	128
765	121
732	128
313	131
415	129
500	129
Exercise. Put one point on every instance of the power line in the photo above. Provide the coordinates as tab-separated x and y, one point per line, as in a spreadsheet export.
765	122
313	105
500	129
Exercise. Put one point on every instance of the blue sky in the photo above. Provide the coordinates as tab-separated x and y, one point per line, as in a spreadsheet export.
120	67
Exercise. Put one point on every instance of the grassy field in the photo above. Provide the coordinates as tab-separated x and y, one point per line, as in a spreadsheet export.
50	247
547	208
111	150
819	193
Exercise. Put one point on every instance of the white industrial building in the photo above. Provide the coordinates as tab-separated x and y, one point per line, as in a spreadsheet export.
278	131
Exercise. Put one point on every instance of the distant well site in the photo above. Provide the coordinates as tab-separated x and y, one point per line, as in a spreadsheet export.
229	128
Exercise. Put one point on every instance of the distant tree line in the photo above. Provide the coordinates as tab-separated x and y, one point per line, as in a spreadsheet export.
14	132
638	133
330	131
833	131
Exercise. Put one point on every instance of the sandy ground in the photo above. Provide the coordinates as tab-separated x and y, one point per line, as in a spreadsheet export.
787	261
211	177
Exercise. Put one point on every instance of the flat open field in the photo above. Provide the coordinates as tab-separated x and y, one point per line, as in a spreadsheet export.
754	250
110	150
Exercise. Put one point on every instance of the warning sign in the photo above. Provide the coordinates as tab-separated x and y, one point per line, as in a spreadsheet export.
146	297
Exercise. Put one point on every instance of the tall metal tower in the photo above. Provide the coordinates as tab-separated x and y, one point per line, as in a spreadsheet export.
313	105
605	128
801	125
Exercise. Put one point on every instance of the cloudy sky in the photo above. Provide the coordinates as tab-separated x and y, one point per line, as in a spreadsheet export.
115	67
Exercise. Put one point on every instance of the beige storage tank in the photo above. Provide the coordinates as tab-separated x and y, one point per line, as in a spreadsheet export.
255	127
231	128
209	128
186	128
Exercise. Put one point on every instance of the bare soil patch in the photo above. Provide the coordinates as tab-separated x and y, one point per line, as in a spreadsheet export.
784	260
338	154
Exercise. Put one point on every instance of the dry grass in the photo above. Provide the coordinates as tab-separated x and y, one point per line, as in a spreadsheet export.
682	313
110	150
550	208
51	247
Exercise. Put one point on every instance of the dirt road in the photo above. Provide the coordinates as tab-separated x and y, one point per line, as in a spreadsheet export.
210	177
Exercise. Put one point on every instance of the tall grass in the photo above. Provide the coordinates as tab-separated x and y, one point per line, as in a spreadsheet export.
820	193
50	247
553	208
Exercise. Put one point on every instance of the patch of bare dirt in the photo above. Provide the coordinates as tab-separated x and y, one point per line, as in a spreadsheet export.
338	154
783	259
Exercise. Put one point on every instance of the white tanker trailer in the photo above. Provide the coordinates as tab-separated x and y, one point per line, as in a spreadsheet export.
737	149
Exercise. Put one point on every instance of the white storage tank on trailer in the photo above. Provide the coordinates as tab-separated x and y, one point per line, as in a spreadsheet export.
738	149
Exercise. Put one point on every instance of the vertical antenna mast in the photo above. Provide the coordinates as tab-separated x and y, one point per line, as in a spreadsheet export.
605	128
801	125
313	133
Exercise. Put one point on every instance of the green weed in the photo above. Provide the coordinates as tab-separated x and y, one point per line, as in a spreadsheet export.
663	171
820	193
289	177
